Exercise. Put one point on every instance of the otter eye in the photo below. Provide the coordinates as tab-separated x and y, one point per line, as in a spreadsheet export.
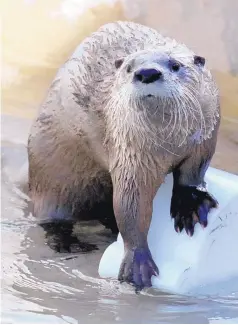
175	66
199	60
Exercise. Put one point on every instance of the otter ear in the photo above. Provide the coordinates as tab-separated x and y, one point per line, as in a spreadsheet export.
118	63
199	60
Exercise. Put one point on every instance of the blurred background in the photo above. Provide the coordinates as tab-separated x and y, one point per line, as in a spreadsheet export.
39	35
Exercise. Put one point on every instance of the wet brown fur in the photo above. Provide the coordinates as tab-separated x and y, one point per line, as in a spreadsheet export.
81	154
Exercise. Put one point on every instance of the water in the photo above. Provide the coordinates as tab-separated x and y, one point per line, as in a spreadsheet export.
38	285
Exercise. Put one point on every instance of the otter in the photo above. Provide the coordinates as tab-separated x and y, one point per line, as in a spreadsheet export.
127	108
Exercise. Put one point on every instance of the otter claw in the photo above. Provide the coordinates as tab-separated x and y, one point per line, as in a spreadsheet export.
190	232
203	224
178	224
189	206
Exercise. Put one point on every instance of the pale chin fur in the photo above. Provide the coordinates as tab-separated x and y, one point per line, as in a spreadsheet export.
157	90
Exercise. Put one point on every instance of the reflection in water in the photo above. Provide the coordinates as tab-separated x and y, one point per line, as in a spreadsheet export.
38	285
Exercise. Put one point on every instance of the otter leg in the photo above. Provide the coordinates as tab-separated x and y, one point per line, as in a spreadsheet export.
191	201
132	202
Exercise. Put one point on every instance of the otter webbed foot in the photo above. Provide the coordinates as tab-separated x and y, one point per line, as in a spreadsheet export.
60	238
137	268
190	205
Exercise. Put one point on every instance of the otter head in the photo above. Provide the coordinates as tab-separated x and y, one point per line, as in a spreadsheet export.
166	86
160	75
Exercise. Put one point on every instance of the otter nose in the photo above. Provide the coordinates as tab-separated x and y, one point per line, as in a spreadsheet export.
148	75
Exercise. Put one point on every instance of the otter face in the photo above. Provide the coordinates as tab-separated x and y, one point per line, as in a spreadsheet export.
166	89
160	75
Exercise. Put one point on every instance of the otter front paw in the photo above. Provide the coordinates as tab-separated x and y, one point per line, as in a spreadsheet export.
190	205
137	268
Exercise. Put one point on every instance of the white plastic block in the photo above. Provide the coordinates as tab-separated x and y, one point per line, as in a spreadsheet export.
206	263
